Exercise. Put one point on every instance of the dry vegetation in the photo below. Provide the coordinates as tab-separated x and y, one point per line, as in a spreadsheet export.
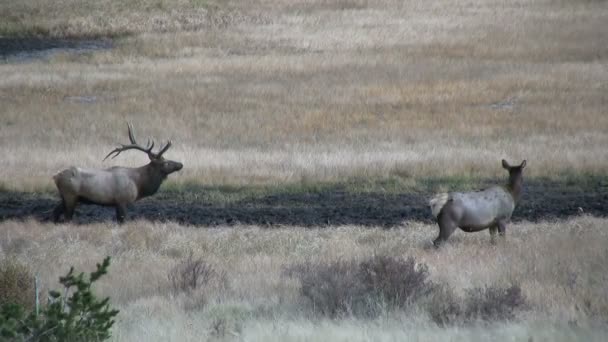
250	290
318	91
284	92
111	18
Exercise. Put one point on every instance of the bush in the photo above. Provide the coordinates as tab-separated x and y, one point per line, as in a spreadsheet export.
75	315
363	289
191	274
16	284
443	306
374	285
398	282
480	304
493	303
14	322
334	289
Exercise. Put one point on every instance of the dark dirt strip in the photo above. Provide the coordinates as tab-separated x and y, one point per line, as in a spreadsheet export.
542	200
25	49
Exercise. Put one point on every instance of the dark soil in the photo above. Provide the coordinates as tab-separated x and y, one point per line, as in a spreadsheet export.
23	49
542	200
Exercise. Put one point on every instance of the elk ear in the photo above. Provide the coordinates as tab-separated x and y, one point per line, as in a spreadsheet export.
523	164
505	165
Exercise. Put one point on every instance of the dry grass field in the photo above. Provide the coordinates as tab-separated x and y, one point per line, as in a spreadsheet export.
560	266
292	92
272	94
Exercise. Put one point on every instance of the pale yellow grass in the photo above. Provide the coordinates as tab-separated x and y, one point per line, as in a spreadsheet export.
561	267
326	91
77	19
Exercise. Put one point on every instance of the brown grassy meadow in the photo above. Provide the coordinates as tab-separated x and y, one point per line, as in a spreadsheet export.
560	267
321	91
275	92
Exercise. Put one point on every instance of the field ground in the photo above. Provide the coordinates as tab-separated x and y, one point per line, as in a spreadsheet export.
306	129
560	266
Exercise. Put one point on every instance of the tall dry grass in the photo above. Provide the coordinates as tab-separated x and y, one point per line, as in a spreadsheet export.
323	91
110	18
560	266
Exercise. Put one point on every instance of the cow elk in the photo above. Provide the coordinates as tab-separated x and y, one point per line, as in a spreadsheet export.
475	211
115	186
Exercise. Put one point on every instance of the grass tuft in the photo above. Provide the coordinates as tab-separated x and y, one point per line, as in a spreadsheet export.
16	284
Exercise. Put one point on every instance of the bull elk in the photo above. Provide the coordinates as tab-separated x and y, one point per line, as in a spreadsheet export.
115	186
475	211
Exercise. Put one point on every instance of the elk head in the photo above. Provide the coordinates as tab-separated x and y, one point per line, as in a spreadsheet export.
160	165
516	178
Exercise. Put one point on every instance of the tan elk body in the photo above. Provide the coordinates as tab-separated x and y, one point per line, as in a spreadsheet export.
115	186
478	210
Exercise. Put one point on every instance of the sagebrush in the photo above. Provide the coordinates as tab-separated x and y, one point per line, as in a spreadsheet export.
190	274
365	288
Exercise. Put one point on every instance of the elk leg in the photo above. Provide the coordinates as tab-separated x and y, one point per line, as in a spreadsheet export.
502	228
69	207
493	231
59	209
446	227
121	213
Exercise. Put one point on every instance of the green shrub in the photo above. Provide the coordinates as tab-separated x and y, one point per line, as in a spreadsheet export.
14	323
75	315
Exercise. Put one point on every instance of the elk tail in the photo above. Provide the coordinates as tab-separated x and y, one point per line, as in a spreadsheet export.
438	202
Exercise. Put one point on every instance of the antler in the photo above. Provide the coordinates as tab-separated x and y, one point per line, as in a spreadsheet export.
163	150
135	146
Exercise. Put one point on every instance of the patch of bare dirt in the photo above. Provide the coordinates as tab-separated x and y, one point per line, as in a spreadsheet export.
335	206
25	49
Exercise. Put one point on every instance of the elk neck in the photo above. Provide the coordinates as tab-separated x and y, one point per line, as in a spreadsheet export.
148	179
515	186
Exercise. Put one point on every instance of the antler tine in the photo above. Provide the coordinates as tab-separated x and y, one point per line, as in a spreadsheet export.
150	143
134	145
116	150
131	135
164	149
